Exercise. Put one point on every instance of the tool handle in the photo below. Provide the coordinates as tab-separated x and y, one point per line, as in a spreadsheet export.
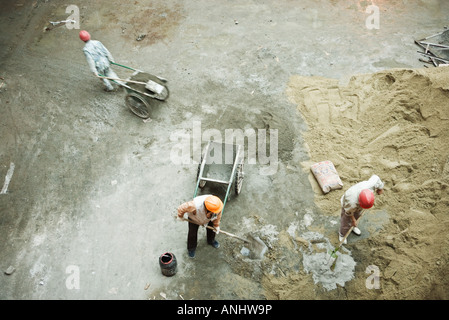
212	228
349	231
120	65
109	78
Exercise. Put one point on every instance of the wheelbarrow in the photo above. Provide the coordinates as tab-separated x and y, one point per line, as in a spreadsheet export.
141	88
221	163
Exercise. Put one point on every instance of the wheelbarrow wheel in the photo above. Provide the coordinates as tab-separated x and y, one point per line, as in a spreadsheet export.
138	105
239	177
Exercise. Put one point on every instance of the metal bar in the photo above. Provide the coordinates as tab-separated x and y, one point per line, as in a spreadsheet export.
433	57
200	175
430	62
435	45
213	180
434	35
237	153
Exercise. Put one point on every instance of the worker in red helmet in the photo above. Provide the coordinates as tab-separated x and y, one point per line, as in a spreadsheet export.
357	198
202	210
99	59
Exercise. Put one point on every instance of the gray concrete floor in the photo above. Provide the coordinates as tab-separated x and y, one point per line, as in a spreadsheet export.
94	190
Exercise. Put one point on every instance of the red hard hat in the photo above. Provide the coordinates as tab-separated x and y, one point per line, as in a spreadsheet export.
84	35
366	198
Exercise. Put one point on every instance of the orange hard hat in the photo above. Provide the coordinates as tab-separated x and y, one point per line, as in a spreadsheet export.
84	35
366	198
213	204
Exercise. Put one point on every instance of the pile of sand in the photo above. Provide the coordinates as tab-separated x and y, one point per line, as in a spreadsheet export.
394	124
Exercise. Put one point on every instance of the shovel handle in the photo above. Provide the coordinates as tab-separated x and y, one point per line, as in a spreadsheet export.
212	228
333	253
349	231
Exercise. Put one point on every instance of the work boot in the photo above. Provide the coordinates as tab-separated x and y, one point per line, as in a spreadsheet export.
215	244
191	253
357	231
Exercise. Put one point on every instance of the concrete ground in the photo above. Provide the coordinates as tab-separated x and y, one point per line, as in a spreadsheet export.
93	189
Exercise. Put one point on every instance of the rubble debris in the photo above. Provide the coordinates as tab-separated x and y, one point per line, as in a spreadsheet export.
55	24
140	37
436	49
10	270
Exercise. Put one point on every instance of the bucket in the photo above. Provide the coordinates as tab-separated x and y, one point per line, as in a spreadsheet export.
168	264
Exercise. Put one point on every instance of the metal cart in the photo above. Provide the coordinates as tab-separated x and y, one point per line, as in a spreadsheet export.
221	163
142	87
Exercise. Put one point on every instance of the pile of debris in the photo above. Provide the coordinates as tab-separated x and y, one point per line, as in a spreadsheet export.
436	48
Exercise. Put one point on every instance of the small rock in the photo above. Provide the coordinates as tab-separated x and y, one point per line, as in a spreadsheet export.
302	241
10	270
141	37
244	251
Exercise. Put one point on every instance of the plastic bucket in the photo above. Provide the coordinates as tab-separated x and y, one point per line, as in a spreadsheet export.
168	264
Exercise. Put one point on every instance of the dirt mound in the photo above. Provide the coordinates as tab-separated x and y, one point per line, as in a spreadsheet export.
394	124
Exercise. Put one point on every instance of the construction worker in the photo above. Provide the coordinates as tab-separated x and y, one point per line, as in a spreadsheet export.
357	198
99	59
202	210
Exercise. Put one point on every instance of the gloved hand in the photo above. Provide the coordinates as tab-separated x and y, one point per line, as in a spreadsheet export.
217	230
96	73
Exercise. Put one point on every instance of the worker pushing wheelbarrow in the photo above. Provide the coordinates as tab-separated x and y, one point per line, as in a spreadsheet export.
141	87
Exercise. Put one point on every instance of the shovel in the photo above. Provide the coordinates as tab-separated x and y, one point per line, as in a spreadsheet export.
256	246
333	254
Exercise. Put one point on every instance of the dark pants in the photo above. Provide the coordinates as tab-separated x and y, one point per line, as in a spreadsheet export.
346	221
192	237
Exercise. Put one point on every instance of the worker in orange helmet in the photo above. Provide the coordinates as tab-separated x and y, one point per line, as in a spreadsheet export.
99	59
202	210
358	197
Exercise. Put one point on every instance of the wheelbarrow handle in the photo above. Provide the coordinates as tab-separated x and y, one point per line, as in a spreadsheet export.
109	78
120	65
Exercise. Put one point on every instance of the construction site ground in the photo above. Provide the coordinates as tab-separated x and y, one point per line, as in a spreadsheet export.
90	190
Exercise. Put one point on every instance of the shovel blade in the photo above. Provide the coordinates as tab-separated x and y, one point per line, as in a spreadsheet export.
331	262
154	87
334	263
256	246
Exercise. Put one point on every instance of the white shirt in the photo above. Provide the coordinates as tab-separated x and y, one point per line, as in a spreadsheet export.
197	211
350	199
